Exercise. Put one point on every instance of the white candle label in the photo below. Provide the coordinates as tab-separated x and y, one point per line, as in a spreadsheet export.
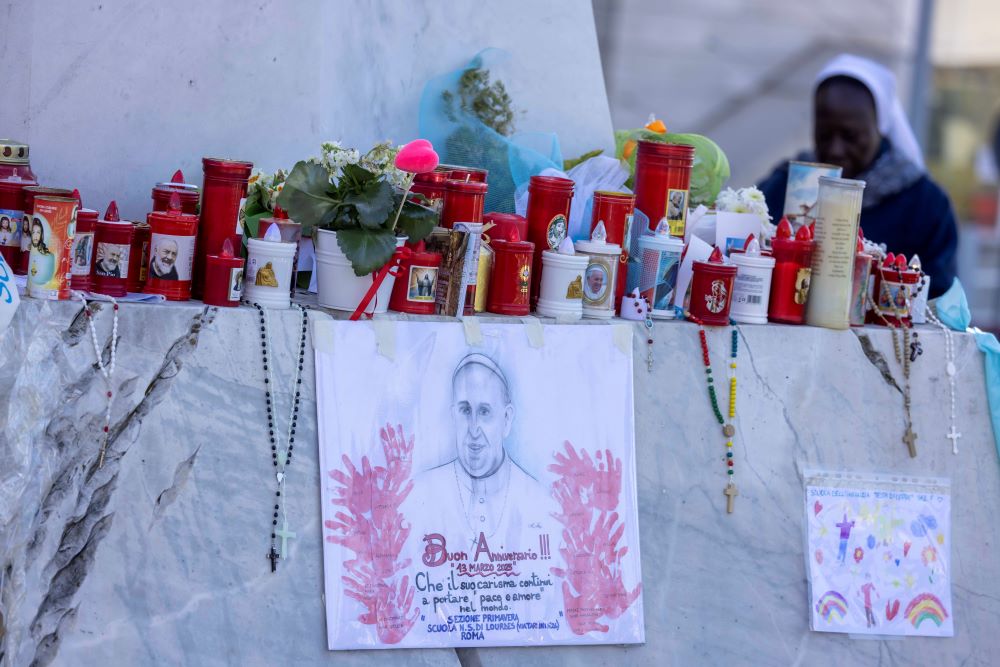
677	211
556	231
81	254
112	260
422	283
748	289
171	257
597	281
10	227
235	284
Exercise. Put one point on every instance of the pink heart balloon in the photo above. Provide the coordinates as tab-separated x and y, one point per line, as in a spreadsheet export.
417	157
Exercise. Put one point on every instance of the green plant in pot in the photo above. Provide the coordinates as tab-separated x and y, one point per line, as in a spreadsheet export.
363	198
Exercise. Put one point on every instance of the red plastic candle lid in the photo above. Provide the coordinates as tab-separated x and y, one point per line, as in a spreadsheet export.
470	187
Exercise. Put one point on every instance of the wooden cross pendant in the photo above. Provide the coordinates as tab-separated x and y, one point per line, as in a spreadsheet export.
910	438
273	557
731	494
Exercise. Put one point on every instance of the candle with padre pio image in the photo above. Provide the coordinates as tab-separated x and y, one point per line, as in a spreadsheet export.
269	270
172	249
112	251
53	225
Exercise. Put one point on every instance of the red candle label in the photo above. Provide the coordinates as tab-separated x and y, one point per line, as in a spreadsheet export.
717	297
172	257
112	260
83	251
556	231
10	228
802	279
677	211
422	283
236	284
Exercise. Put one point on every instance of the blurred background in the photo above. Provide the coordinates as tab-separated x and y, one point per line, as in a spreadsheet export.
741	72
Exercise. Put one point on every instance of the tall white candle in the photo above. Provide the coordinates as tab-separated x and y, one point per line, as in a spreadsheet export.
839	212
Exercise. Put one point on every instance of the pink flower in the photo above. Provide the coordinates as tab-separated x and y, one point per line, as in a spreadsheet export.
417	157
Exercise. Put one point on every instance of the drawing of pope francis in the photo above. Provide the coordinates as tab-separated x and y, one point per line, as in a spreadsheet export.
482	489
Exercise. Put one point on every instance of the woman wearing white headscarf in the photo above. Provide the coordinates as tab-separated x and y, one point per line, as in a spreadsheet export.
859	125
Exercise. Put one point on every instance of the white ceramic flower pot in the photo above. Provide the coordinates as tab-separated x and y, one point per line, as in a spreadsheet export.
337	286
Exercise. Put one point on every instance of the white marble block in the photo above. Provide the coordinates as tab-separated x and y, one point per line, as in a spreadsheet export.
158	558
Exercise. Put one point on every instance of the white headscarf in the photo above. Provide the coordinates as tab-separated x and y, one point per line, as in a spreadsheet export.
892	121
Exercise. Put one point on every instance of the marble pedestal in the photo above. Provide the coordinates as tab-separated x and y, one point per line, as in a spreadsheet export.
158	558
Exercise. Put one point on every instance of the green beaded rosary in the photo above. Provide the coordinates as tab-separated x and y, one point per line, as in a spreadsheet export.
728	430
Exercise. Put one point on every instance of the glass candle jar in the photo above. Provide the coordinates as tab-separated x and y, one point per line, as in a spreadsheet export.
112	255
82	254
463	202
662	184
431	185
615	210
712	290
839	212
859	286
172	252
510	278
549	201
224	194
269	270
53	225
601	275
223	278
415	289
15	175
29	193
188	193
561	289
791	275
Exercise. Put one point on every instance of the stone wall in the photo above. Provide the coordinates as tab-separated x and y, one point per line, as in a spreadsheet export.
159	556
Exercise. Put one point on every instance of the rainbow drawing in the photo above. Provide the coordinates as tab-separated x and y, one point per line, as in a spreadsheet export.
832	607
925	607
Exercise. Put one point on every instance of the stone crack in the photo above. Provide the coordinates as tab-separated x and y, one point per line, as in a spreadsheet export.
877	360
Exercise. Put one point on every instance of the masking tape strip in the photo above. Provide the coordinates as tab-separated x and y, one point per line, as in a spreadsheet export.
536	334
322	333
385	337
623	337
473	334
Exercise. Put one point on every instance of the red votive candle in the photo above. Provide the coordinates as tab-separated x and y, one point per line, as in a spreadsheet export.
549	201
662	183
112	253
223	278
510	279
431	185
139	258
29	193
82	254
172	251
460	173
712	290
224	195
463	202
188	193
791	275
416	285
15	175
503	223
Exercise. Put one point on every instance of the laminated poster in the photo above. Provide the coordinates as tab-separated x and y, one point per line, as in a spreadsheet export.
878	554
478	485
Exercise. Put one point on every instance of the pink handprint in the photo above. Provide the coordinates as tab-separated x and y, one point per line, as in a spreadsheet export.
356	534
355	490
575	516
393	612
613	597
363	585
389	492
575	470
607	482
398	451
582	613
387	543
